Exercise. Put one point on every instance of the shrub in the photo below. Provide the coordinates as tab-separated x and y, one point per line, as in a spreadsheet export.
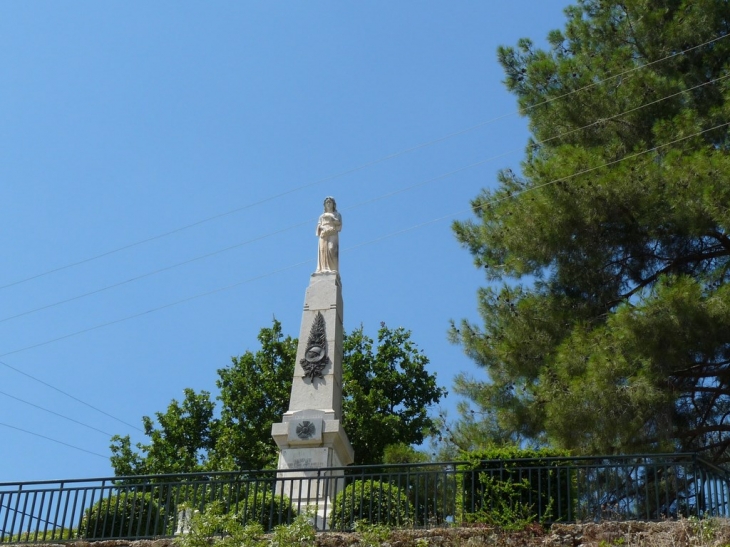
300	533
512	486
126	515
230	528
253	502
371	535
215	521
266	508
371	501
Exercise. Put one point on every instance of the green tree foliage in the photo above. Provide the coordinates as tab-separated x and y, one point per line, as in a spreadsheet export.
404	454
254	392
181	441
607	315
386	394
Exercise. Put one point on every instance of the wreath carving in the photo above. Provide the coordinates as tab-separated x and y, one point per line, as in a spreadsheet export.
315	356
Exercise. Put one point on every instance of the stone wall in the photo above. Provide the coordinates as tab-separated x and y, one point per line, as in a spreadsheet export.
679	533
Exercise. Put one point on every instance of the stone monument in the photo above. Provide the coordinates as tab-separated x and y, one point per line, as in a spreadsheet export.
310	437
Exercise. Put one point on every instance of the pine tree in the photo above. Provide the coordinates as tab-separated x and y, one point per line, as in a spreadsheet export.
607	312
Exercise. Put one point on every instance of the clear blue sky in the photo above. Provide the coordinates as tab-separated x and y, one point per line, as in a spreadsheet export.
125	120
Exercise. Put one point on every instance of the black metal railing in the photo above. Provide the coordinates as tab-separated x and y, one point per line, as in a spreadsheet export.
645	487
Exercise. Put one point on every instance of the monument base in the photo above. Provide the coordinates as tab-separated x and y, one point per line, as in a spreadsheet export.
312	452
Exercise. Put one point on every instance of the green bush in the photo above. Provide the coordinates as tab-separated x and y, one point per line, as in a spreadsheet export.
371	501
300	533
126	515
265	508
252	501
512	486
213	522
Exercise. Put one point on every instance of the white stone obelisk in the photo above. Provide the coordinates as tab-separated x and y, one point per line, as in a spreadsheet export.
310	437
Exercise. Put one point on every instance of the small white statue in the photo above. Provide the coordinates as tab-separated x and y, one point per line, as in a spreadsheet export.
328	228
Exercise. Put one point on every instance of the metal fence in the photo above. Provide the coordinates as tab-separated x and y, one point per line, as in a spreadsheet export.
646	487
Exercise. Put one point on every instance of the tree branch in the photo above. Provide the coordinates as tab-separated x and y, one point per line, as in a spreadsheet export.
695	257
694	433
721	238
695	370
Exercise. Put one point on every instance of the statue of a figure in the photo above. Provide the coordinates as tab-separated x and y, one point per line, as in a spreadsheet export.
328	228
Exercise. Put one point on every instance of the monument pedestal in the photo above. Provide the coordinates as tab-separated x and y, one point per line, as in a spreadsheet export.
310	437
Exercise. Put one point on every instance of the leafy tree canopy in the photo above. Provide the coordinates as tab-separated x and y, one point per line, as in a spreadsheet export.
386	395
606	320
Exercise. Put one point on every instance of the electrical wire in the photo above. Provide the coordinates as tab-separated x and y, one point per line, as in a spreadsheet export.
370	242
292	266
250	205
378	198
55	413
348	249
151	310
24	513
393	234
62	392
354	169
628	71
54	440
155	272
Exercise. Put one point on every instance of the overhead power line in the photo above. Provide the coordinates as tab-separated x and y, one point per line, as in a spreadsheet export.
268	274
393	234
378	198
140	314
55	413
352	170
154	272
54	440
532	188
62	392
628	71
291	266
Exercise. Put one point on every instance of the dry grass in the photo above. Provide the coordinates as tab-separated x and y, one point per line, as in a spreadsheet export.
671	533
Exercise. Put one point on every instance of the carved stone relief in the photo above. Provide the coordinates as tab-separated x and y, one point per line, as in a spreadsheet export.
315	356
